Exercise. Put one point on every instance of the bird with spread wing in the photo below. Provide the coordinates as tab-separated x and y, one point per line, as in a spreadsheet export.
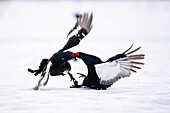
101	74
120	67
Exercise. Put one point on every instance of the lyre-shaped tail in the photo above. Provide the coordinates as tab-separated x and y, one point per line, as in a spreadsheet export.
131	64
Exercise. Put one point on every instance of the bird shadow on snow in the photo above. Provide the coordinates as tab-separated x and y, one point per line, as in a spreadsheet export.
62	89
112	90
48	89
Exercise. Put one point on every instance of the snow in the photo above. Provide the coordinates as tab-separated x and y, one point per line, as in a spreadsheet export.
33	30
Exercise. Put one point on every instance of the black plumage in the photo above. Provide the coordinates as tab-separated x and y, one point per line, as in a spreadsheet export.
122	64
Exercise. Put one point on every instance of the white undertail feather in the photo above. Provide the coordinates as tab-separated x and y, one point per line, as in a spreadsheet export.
46	76
110	72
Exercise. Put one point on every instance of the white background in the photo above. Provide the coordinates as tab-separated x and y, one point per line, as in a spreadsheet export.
33	30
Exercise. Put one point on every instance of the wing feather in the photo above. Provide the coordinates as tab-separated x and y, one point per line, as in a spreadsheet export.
82	27
110	72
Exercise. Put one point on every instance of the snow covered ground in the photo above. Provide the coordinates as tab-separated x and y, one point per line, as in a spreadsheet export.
33	30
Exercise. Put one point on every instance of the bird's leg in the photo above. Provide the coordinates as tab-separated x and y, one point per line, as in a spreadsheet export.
71	77
75	81
39	82
45	83
81	75
47	73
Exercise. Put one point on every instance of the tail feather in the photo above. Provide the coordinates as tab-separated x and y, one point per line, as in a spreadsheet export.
79	31
139	63
133	51
120	66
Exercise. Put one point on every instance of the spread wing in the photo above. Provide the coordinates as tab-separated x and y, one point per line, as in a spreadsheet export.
82	27
110	72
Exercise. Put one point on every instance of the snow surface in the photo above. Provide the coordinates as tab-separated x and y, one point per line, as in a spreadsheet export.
33	30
